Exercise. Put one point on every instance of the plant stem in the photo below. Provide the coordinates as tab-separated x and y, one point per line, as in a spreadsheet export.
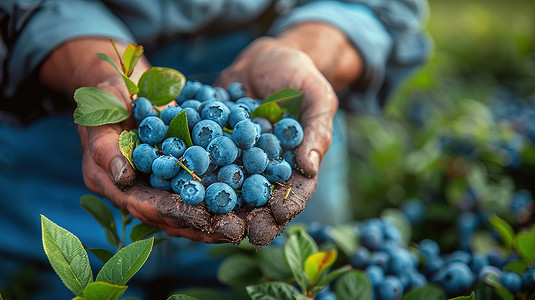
189	171
118	55
225	129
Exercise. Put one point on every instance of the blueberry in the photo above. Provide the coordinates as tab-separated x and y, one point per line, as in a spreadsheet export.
245	134
165	167
208	178
229	104
206	93
288	155
488	270
235	90
192	103
432	265
193	117
159	183
359	259
196	159
289	132
381	259
188	91
376	274
477	262
254	160
143	156
270	144
143	108
204	132
238	113
512	281
222	151
371	237
249	102
222	94
326	293
467	223
265	124
178	181
239	200
215	111
152	130
416	279
278	171
169	113
390	289
455	278
321	233
391	231
429	248
460	256
231	175
400	261
173	146
256	190
528	280
414	210
192	192
220	198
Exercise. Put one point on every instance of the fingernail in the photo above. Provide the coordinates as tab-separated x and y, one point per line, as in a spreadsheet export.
121	174
314	157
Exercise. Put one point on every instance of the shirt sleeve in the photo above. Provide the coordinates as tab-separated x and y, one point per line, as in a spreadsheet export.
388	34
34	28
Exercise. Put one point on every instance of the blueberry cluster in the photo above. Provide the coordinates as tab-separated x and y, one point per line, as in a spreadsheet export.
236	158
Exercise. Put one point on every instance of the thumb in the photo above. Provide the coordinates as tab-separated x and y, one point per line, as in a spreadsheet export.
318	109
104	148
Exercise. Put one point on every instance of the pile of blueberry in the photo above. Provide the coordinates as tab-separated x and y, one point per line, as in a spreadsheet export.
236	158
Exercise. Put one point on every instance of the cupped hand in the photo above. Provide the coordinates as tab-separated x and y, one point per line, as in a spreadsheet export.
267	66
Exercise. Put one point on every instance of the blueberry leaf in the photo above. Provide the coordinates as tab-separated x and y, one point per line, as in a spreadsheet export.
199	293
503	229
354	285
271	290
469	297
297	249
161	85
317	263
266	256
67	256
131	55
524	243
97	107
141	231
179	128
127	143
125	264
103	215
333	275
102	290
345	238
183	297
102	254
132	87
273	106
424	293
239	270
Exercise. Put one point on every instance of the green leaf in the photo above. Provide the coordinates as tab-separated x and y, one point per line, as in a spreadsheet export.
102	254
97	107
141	231
129	83
469	297
127	143
67	256
299	296
345	237
287	100
161	85
103	215
524	243
179	128
202	293
424	293
517	266
274	271
131	55
271	291
125	264
181	297
354	285
239	270
297	249
317	263
99	290
334	274
504	230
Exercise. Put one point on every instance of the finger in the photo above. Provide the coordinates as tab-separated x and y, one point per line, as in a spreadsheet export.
103	144
317	113
261	226
290	198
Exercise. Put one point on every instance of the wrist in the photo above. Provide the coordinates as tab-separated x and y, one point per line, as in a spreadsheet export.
330	50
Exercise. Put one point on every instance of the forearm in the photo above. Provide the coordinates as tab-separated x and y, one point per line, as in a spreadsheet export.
75	64
330	50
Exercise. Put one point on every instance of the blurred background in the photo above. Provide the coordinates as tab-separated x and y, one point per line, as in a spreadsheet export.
459	136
